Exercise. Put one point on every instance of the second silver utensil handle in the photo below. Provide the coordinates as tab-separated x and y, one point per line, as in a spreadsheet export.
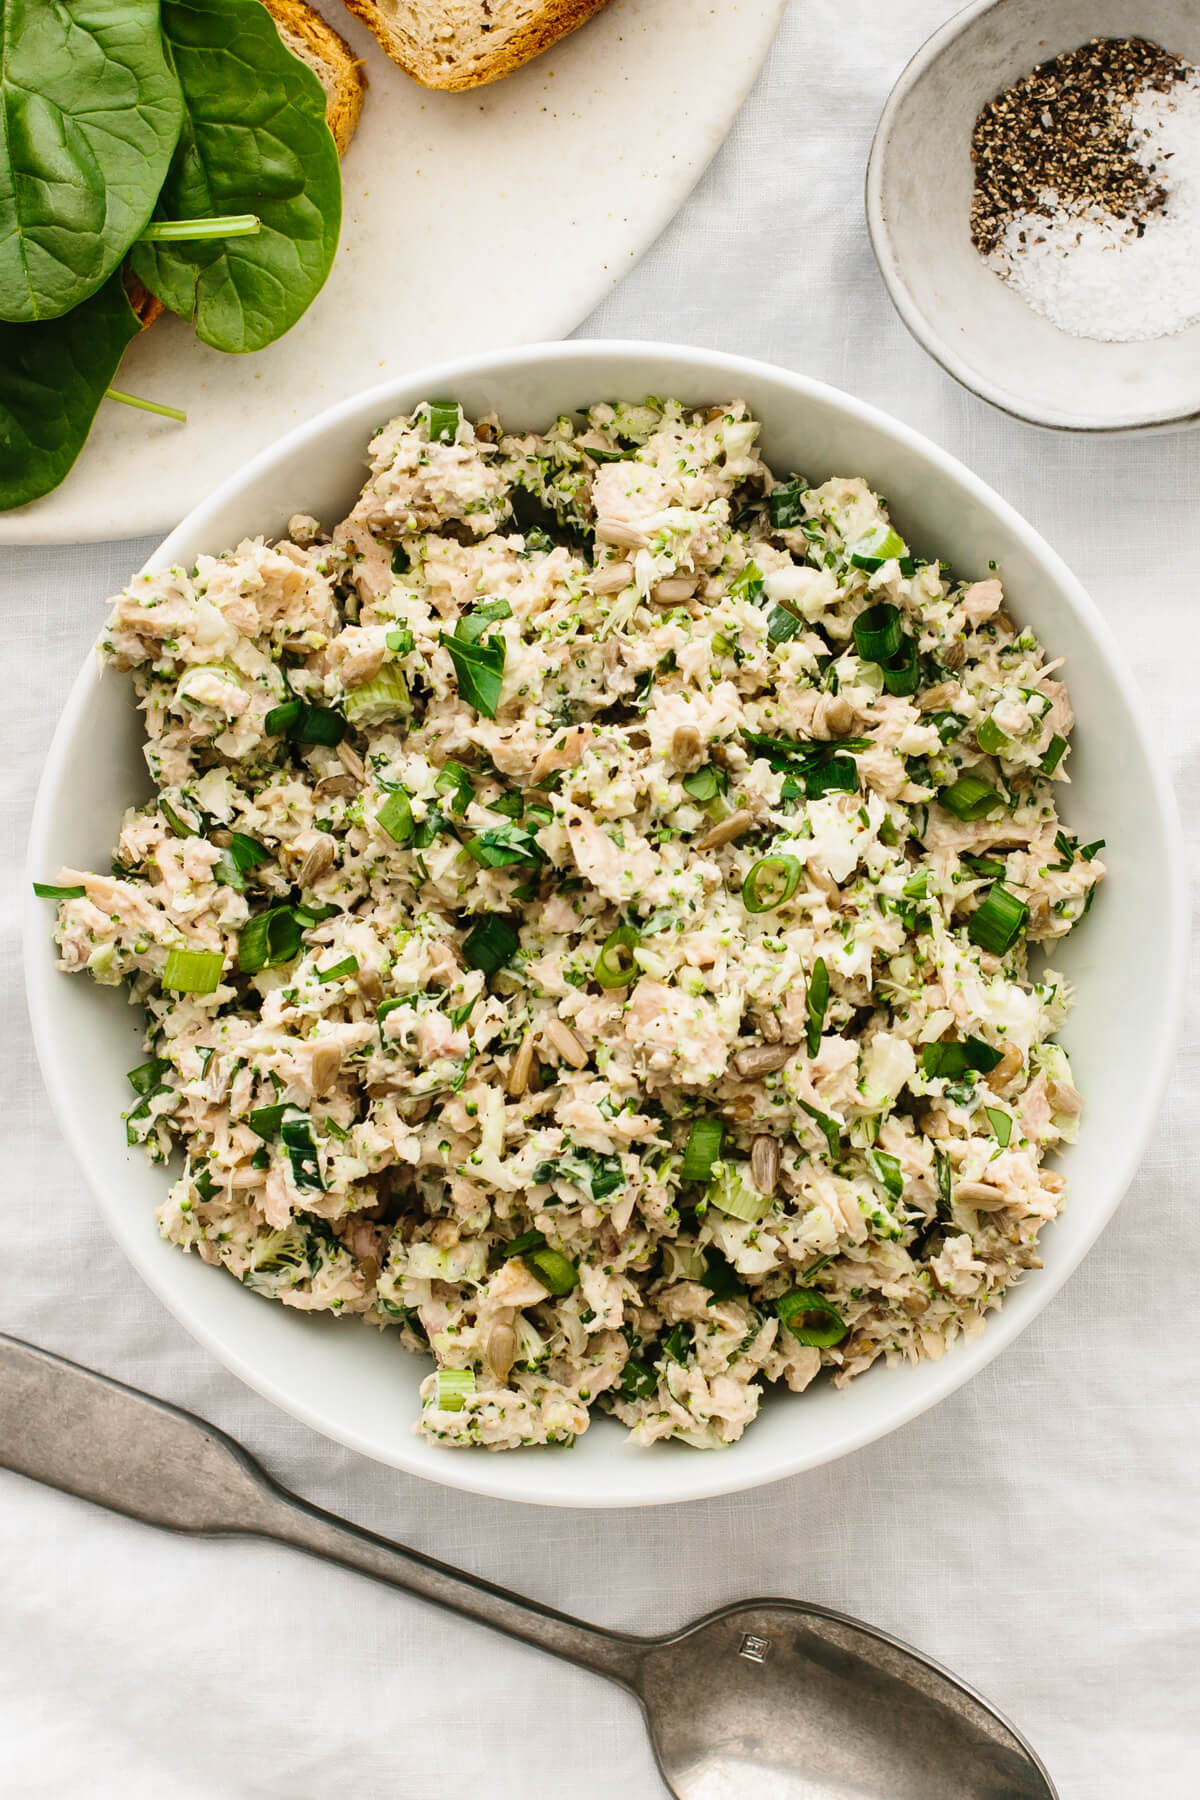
96	1438
305	1527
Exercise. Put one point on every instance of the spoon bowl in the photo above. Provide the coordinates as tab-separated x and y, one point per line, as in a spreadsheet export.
764	1700
785	1701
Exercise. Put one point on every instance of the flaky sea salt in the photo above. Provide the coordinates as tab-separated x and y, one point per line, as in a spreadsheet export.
1096	276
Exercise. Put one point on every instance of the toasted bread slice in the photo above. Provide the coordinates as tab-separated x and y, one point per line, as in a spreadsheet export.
454	44
331	60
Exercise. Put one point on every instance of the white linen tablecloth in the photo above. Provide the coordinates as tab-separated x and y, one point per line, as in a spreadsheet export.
1037	1532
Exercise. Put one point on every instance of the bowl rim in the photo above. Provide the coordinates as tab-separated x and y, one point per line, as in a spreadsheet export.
916	321
511	1477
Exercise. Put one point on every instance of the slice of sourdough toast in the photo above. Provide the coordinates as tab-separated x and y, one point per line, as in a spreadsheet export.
455	44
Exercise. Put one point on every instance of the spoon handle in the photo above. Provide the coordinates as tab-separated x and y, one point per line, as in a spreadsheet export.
95	1438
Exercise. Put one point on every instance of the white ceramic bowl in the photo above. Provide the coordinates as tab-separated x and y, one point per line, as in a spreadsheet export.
355	1384
919	185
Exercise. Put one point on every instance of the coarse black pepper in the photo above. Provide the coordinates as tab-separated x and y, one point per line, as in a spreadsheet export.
1062	130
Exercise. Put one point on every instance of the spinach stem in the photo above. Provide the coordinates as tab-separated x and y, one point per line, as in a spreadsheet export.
166	231
150	406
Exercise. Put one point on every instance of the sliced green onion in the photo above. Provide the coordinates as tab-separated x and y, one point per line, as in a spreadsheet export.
1001	1124
606	1177
678	1341
838	775
46	890
830	1129
748	585
703	1149
401	564
902	672
281	718
991	739
818	1005
917	886
999	922
984	867
769	882
706	783
347	966
170	231
266	1120
782	624
142	1112
886	1170
554	1270
454	1387
384	697
268	939
401	640
305	724
479	670
721	1278
227	874
319	725
313	915
1053	754
193	971
881	544
811	1318
444	417
528	1240
969	798
638	1380
616	967
179	825
785	504
878	632
733	1193
492	943
395	817
296	1131
147	1075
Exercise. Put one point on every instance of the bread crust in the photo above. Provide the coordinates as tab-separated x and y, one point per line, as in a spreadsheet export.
553	21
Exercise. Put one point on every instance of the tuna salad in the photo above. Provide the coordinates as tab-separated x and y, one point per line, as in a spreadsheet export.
583	922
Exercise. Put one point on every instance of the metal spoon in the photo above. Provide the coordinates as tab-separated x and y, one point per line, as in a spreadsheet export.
765	1700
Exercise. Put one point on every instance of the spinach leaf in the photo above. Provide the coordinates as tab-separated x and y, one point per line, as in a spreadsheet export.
89	115
52	379
479	669
254	140
502	845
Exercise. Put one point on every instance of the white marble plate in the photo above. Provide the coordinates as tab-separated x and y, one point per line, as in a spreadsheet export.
472	221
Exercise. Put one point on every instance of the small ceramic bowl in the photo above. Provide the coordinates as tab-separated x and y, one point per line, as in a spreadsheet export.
919	184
